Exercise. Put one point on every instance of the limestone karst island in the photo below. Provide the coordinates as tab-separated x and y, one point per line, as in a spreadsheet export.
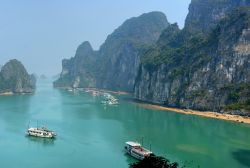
125	84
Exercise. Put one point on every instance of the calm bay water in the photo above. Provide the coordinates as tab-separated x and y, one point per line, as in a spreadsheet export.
91	135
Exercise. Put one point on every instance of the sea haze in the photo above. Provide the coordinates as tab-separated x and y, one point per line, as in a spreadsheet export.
41	33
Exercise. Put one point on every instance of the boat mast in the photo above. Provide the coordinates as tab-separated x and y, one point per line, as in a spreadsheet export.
28	125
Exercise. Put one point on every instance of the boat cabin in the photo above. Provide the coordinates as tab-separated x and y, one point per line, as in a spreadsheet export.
136	150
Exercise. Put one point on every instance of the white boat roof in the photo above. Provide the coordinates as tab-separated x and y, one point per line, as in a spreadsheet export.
130	143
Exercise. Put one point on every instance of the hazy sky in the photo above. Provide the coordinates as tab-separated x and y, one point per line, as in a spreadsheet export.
40	33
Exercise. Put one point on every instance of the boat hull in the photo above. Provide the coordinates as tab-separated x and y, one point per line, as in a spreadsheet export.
135	150
40	132
135	155
39	135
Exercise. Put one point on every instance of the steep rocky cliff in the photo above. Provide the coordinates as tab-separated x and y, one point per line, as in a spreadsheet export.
120	54
115	65
207	72
79	71
205	14
15	79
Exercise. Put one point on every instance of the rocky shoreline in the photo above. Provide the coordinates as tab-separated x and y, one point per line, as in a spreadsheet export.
95	89
108	91
12	94
232	116
6	94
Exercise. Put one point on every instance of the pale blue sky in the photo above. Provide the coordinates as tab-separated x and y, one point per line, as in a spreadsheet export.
40	33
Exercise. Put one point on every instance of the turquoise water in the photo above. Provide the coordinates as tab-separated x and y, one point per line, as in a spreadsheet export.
91	135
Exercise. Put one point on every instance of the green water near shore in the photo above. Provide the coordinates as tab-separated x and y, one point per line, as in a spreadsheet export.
92	135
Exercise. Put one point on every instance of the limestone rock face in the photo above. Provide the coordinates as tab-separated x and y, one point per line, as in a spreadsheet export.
116	64
208	71
14	78
120	54
205	14
79	71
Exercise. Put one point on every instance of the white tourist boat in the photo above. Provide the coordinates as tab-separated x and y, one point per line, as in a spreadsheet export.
41	132
136	150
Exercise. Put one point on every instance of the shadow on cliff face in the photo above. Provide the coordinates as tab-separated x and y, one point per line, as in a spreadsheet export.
242	156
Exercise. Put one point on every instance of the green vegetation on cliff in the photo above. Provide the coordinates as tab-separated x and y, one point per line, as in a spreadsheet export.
205	14
195	66
174	48
154	162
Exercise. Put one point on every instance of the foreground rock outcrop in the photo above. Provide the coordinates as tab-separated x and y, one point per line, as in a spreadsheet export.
14	79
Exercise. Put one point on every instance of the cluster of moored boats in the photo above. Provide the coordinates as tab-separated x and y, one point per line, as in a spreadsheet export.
109	99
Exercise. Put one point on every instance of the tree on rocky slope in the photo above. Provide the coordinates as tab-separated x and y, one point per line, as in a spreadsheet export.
154	162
